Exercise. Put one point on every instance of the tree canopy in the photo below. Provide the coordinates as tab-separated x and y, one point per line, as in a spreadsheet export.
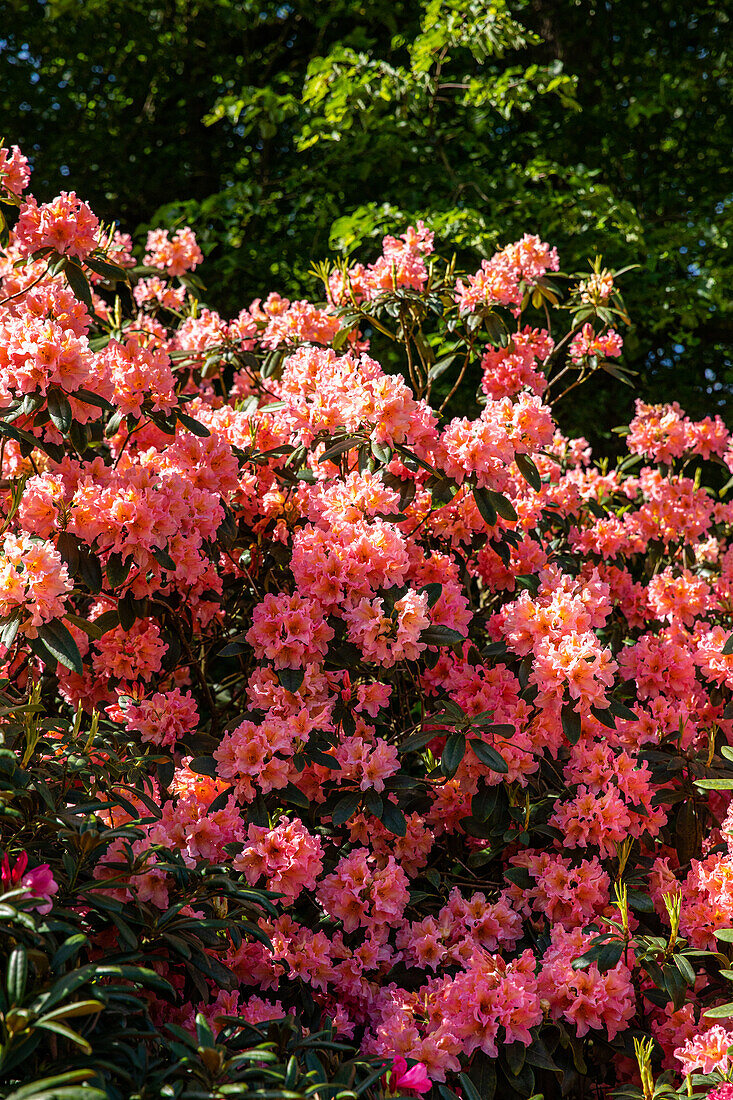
284	132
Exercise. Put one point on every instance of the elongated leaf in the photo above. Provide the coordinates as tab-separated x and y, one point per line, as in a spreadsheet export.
720	1012
381	452
609	955
291	678
65	1033
204	765
193	425
86	625
571	724
108	271
452	755
620	710
489	756
440	366
295	796
68	950
17	975
62	1086
502	504
441	635
485	505
346	807
393	819
60	410
529	471
418	740
9	628
78	1008
685	968
346	444
59	643
118	569
78	283
604	716
164	559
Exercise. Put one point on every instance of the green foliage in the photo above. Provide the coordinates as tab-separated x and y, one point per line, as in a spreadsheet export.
84	988
280	131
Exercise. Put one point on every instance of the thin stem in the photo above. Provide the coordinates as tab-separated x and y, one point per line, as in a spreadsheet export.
458	380
25	289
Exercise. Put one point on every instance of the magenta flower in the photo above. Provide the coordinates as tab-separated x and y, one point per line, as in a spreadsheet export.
38	882
401	1079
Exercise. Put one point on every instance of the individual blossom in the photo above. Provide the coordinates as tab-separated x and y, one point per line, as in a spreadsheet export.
707	1051
38	883
401	1080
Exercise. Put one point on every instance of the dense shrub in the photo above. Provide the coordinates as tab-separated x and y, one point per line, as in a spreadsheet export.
347	748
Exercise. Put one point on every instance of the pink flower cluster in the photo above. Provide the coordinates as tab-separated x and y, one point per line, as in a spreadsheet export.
287	858
174	255
436	685
67	225
34	582
163	717
402	264
606	345
504	279
663	433
15	174
518	366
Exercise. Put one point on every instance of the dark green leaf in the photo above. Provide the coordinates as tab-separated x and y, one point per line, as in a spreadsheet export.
452	755
118	569
441	635
59	645
485	506
60	410
529	471
393	819
489	756
291	678
193	425
346	807
204	765
78	283
17	974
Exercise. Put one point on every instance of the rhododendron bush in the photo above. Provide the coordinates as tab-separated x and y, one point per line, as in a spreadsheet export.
351	749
